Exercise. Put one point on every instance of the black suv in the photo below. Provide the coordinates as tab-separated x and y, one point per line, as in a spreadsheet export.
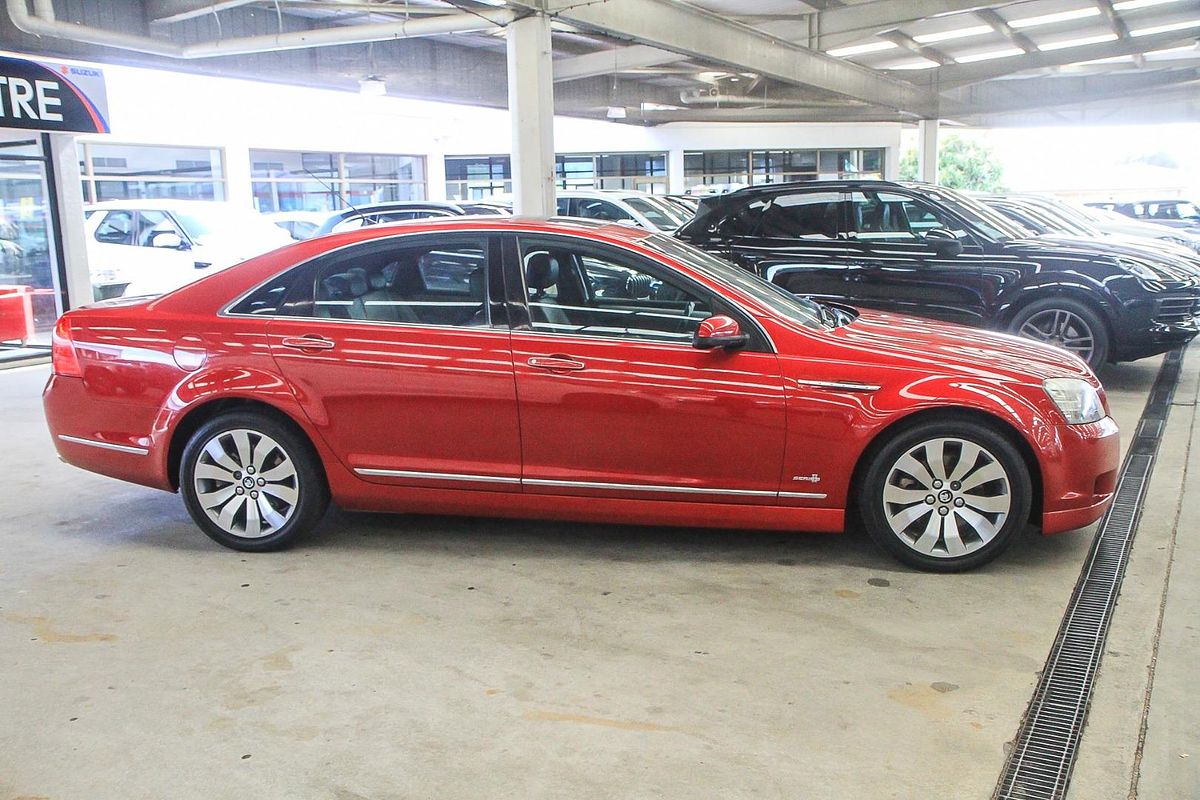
922	250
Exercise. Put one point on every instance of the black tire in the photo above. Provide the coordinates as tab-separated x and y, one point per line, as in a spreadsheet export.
916	544
1081	315
284	507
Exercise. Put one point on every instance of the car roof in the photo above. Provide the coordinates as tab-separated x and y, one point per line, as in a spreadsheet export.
478	222
165	203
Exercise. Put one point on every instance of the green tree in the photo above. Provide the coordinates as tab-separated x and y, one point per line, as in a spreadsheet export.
962	164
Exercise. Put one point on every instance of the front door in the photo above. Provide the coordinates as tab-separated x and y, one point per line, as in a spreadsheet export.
403	363
614	399
903	272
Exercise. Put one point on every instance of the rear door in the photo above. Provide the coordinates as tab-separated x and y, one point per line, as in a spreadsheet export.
400	357
797	241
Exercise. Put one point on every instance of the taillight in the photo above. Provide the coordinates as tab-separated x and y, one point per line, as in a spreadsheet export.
63	356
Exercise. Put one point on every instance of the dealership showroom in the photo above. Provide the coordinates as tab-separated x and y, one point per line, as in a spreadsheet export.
597	399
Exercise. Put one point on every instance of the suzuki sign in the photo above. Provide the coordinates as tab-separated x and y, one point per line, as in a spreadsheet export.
52	96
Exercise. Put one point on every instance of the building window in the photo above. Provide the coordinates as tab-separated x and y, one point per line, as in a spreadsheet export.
476	177
285	180
137	171
754	167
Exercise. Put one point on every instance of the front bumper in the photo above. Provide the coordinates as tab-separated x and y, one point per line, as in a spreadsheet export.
1078	485
1155	326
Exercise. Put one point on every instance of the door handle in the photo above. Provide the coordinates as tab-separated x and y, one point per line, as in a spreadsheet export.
556	363
310	341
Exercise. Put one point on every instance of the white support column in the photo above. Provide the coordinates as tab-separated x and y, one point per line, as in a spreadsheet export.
64	160
927	150
531	104
239	178
676	179
435	175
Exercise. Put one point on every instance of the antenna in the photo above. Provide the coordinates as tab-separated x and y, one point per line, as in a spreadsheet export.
345	201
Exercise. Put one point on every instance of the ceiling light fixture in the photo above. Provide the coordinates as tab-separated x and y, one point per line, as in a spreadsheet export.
957	33
1174	26
616	112
859	49
1062	45
1131	5
920	63
1050	19
1006	53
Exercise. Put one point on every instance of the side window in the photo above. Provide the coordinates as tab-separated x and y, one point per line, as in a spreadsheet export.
435	282
151	224
563	207
601	209
116	228
807	215
884	216
266	300
598	292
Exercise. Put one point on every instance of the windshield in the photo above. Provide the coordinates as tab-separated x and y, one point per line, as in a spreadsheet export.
659	216
779	301
988	222
219	220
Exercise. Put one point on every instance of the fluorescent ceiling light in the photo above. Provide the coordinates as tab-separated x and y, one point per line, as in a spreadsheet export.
1062	45
1174	26
1011	51
1049	19
858	49
920	63
957	33
1130	5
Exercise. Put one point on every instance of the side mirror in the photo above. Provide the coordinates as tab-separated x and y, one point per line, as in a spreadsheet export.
945	243
719	331
167	240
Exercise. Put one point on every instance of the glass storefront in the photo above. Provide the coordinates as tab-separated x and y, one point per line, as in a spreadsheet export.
31	296
137	171
478	177
754	167
285	180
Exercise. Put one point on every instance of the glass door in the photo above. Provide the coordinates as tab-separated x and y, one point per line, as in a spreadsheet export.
31	296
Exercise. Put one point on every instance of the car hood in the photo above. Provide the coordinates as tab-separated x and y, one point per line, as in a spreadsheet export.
1171	267
911	342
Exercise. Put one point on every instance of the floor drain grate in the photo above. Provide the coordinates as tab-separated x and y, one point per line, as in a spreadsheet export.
1039	766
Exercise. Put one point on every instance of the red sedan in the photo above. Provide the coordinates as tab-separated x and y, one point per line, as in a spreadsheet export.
561	370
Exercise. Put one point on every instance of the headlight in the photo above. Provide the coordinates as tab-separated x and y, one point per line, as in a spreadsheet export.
1078	401
1140	270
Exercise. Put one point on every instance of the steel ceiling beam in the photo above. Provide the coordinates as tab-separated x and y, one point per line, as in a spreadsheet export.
1061	92
1000	25
913	46
842	25
180	10
608	62
696	33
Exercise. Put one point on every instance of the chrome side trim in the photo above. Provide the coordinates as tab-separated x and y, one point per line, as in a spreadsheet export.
841	386
120	448
637	487
436	476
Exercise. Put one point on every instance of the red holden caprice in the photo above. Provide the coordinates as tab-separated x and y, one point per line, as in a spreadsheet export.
576	371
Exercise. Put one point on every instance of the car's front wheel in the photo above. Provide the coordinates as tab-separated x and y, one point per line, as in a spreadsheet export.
252	483
1065	323
946	496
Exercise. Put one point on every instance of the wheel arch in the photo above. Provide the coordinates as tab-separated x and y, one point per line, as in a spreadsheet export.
1102	308
948	414
209	409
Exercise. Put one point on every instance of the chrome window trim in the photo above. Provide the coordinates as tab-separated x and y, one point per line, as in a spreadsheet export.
120	448
637	487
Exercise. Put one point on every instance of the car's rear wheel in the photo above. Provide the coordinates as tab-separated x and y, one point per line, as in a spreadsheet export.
1065	323
252	483
946	496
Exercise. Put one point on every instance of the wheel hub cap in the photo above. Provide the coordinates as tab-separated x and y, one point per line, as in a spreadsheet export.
246	483
1061	328
947	522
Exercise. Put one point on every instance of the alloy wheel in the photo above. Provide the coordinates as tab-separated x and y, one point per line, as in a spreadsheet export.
947	497
246	483
1062	328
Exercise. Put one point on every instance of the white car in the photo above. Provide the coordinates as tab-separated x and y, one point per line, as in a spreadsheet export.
1117	223
149	247
635	208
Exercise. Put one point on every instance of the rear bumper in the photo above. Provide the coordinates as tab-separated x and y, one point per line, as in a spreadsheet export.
1079	485
110	437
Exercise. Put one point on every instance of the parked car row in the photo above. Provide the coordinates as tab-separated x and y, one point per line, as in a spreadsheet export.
1175	213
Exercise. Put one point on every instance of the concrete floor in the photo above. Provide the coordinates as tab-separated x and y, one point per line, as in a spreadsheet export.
399	657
